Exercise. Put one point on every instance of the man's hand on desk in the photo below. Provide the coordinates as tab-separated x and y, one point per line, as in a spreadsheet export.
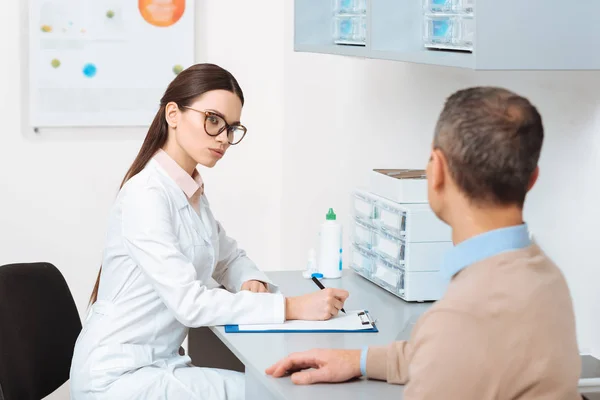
255	286
329	366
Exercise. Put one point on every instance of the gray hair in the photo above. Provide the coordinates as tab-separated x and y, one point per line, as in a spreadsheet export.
492	139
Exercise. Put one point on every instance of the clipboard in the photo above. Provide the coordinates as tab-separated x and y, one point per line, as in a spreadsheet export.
358	321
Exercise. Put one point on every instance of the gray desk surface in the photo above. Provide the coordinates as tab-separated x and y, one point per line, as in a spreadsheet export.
590	367
395	319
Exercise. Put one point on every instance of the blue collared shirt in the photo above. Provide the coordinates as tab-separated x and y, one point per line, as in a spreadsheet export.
473	250
484	246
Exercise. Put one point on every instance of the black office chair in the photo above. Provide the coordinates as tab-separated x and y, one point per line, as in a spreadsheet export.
39	325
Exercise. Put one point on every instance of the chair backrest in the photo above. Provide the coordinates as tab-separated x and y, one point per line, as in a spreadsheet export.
39	325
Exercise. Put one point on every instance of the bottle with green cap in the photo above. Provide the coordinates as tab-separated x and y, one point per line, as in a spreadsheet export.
330	247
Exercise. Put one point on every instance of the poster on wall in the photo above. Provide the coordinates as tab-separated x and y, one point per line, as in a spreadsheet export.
105	62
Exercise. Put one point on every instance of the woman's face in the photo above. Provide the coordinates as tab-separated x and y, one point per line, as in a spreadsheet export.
211	112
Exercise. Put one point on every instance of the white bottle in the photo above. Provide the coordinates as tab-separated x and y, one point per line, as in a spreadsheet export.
311	265
330	256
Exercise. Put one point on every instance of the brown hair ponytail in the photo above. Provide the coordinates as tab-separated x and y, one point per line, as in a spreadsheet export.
183	90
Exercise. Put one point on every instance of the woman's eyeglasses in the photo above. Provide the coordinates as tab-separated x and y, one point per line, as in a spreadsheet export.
214	125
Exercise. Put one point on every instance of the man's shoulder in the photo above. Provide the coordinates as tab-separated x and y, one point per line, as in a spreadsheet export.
503	282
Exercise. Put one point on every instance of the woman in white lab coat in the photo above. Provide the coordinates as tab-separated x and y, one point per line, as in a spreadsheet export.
163	247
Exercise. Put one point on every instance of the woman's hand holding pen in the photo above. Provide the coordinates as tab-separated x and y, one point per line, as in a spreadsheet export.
317	306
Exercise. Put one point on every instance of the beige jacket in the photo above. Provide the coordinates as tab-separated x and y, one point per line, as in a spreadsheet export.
504	330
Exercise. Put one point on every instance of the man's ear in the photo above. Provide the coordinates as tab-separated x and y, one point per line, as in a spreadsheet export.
534	178
438	169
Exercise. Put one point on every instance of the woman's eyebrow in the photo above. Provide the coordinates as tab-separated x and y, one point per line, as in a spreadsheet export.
222	116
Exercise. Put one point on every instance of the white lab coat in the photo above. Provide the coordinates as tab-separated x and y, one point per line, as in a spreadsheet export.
160	254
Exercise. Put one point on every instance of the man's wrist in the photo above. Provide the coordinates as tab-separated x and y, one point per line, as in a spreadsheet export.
363	361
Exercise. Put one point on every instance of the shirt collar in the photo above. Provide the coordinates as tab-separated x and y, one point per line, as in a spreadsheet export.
484	246
189	184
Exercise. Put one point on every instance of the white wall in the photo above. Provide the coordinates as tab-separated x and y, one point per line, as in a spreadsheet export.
317	125
245	188
346	116
389	111
56	188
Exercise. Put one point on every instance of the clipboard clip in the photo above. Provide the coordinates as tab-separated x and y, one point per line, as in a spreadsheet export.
365	318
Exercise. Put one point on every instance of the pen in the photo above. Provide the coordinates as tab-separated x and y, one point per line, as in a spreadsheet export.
320	285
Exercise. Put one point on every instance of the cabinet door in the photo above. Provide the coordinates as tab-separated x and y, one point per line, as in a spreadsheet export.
505	35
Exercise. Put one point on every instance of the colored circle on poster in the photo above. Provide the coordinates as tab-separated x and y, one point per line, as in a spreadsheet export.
110	14
177	69
161	13
89	70
55	63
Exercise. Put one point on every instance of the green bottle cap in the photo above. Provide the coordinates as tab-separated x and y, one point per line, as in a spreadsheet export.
330	215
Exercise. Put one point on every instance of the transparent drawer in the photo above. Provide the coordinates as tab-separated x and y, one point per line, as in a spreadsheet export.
464	6
438	5
350	29
349	6
389	276
362	260
388	246
465	36
363	233
449	32
364	205
424	256
446	6
390	218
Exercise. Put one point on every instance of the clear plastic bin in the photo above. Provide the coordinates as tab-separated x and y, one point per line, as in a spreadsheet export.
464	6
362	260
465	36
389	246
350	29
446	31
349	6
439	29
438	5
447	6
424	256
364	205
389	218
363	233
389	276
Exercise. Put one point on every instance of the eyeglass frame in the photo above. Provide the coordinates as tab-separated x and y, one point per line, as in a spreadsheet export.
227	127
